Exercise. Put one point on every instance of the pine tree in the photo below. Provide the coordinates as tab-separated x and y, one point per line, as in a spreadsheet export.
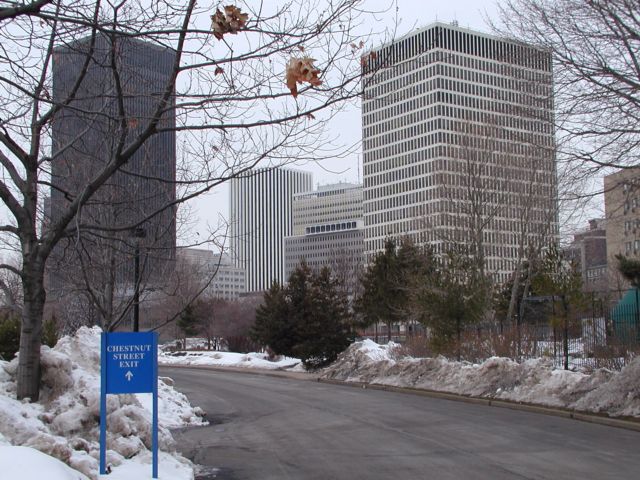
305	319
389	282
273	326
457	295
188	322
50	332
323	331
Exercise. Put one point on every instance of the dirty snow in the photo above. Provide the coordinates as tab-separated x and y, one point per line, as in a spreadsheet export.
64	423
226	359
533	381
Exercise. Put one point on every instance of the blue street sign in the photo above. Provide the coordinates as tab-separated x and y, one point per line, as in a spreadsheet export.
130	361
129	364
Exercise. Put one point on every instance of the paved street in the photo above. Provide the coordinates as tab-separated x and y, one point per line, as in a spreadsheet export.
277	428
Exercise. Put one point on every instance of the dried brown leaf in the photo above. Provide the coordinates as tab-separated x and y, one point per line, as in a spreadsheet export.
232	20
300	70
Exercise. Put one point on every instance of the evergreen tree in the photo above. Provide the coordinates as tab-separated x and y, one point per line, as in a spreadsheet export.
188	322
457	295
630	269
305	319
378	303
561	280
323	332
389	283
273	326
9	335
50	332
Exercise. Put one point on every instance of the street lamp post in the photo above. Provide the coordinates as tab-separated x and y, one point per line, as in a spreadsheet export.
138	233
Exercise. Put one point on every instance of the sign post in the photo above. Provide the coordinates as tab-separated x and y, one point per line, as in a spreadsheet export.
129	364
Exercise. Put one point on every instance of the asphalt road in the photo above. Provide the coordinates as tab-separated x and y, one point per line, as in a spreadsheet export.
277	428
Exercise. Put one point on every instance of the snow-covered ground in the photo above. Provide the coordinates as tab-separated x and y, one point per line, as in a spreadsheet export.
226	359
533	381
64	423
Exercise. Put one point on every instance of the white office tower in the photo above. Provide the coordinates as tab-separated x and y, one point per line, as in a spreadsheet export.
328	230
458	144
260	203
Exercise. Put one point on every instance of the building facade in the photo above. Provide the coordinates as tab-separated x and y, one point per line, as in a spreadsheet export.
215	272
588	252
261	211
126	219
622	212
328	231
458	144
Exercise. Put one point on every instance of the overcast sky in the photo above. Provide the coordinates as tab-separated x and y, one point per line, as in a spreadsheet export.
346	128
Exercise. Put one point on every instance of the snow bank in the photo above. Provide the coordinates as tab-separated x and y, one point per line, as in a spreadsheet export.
533	381
65	422
25	462
226	359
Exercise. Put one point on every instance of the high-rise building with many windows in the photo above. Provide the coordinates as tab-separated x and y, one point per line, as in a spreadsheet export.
130	215
260	203
458	144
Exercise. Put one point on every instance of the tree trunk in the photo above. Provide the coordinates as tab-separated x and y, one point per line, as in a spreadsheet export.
31	332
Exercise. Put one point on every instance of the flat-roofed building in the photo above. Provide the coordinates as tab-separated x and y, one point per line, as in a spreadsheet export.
261	203
458	144
328	231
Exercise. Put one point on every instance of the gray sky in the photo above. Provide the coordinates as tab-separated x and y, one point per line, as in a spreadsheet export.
345	129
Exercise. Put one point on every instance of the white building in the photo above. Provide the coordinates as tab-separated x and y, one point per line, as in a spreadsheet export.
213	272
328	230
458	144
261	203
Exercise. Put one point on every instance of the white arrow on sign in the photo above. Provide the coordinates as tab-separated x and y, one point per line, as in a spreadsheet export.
129	375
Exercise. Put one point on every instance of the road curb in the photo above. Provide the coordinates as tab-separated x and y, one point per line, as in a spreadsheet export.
626	423
582	416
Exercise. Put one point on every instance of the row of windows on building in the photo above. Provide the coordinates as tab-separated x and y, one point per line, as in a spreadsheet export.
457	40
406	85
474	120
420	175
423	160
538	143
501	101
332	227
485	134
430	215
443	104
631	226
632	247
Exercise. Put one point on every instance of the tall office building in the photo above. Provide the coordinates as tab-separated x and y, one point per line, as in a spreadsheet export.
328	230
458	144
85	135
260	203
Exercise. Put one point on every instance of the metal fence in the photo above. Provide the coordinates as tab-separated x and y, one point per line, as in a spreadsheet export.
603	331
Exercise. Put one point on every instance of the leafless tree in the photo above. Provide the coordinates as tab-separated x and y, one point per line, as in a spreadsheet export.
596	52
11	288
226	86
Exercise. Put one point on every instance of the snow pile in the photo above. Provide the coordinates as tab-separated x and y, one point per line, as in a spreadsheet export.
227	359
533	381
25	462
65	422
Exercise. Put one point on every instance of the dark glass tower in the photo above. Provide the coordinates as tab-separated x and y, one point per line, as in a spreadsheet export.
119	83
